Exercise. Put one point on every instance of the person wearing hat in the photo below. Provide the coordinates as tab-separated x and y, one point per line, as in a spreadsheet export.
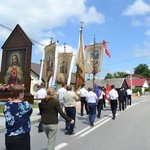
113	96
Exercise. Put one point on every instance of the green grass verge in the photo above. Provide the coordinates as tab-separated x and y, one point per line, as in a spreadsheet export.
1	108
35	105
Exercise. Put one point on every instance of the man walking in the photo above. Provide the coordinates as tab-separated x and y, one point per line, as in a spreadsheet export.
129	95
70	99
100	102
60	94
122	98
113	96
41	93
92	101
83	94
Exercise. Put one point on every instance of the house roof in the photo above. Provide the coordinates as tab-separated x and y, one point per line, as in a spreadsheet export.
118	82
36	69
136	82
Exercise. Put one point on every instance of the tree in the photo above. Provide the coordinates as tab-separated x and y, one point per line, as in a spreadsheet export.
116	75
109	76
142	70
74	73
120	74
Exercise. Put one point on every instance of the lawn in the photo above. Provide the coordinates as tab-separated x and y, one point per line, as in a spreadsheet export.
1	108
35	105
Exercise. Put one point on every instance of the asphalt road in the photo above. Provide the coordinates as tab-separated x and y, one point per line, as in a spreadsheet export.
129	131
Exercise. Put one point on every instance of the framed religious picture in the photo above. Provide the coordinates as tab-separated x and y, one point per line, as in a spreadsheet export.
16	62
15	67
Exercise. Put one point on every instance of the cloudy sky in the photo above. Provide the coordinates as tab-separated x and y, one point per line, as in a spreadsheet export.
125	24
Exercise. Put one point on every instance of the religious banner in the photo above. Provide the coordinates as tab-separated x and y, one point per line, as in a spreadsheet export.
94	57
80	73
49	61
64	64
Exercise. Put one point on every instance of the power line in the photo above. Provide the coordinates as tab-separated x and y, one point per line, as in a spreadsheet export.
34	41
41	44
105	70
5	27
127	60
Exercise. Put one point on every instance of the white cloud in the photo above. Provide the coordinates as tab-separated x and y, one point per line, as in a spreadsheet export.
136	22
4	34
36	16
39	49
94	16
40	19
139	7
147	21
147	32
139	52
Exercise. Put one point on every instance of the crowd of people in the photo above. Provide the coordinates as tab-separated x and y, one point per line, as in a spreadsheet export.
17	112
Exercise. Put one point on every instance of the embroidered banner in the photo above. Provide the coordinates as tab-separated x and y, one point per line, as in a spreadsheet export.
64	64
49	61
80	73
94	57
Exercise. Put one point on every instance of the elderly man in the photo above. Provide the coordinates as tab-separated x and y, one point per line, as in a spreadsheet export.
70	99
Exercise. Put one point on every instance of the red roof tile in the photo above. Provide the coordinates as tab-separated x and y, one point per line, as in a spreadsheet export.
136	82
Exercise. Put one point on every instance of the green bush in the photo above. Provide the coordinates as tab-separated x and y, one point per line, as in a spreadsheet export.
135	90
1	108
35	105
147	90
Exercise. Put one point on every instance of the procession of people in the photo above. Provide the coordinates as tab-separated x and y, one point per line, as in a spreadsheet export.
91	99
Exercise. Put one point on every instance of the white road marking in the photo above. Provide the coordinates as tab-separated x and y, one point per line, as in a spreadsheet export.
60	146
97	124
90	126
93	128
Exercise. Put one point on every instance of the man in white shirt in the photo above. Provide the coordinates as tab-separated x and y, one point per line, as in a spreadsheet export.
91	99
83	94
113	96
129	95
60	94
40	94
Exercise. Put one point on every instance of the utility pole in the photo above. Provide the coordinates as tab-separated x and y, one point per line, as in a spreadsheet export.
65	64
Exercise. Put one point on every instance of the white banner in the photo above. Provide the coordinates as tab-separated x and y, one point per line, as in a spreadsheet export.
49	61
64	64
94	57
